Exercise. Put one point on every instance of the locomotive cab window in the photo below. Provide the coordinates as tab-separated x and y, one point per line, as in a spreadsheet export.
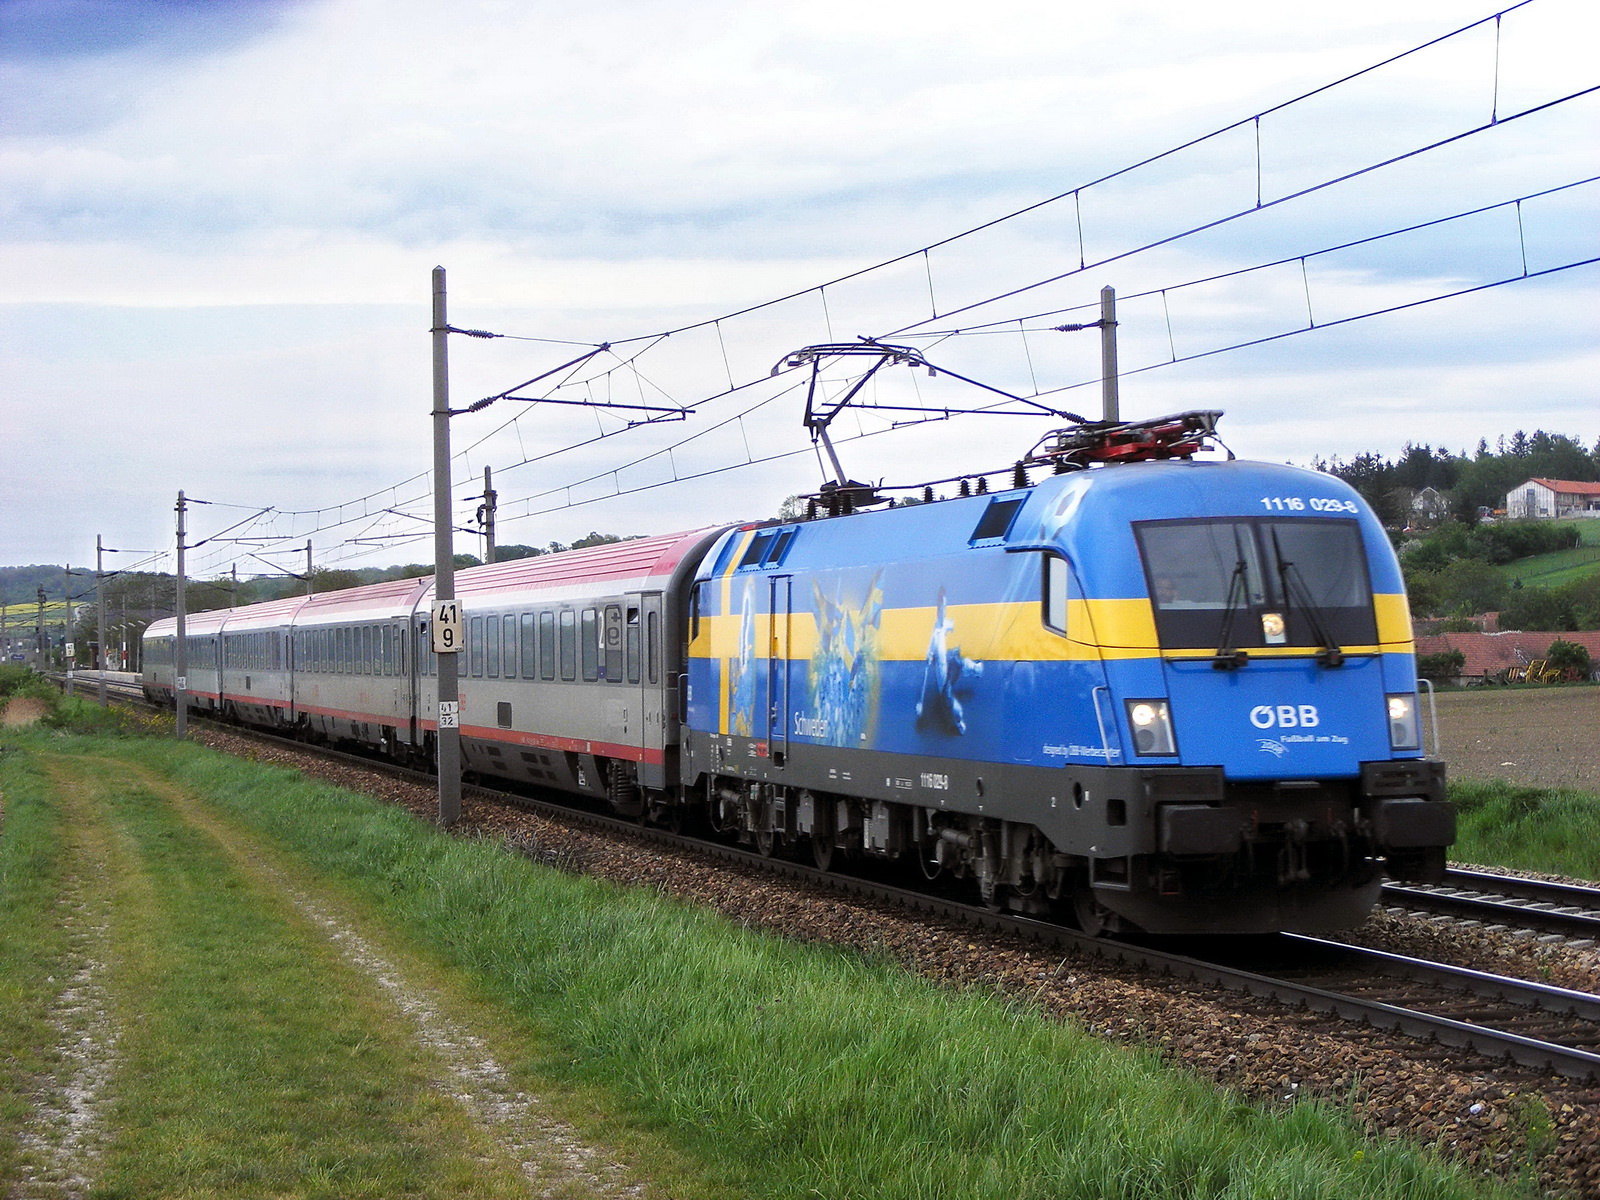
1257	582
1055	593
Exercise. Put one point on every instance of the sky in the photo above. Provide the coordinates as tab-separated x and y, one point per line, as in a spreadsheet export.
219	219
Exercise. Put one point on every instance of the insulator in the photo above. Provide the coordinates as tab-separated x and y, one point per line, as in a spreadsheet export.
927	495
966	487
1019	476
983	485
811	510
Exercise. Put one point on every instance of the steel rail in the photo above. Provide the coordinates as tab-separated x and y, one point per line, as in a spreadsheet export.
1566	909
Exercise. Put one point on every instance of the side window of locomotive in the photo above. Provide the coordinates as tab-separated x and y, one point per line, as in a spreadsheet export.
530	645
509	624
612	648
1055	593
547	645
694	611
569	644
475	647
589	641
633	644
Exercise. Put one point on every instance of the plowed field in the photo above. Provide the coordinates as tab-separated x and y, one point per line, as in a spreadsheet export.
1539	737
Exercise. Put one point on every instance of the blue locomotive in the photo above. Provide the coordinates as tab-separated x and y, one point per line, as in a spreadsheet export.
1170	695
1166	695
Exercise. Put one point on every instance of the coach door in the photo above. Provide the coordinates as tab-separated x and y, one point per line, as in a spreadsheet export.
779	640
645	673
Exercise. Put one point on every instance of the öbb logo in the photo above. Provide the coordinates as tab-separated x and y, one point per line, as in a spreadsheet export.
1285	716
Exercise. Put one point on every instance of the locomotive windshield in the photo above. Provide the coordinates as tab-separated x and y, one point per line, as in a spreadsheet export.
1249	582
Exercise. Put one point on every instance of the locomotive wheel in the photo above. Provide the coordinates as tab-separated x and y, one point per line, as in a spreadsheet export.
1093	917
822	851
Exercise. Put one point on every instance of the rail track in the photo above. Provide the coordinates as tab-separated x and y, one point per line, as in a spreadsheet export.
1564	909
1531	1024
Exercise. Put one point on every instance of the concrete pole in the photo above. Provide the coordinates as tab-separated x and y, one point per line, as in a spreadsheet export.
67	635
180	654
100	610
310	587
448	740
488	516
1108	356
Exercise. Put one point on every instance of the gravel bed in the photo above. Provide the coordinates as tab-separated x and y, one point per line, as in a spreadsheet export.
1501	1119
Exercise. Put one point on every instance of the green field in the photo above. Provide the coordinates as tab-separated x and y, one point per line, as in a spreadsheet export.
704	1059
1564	566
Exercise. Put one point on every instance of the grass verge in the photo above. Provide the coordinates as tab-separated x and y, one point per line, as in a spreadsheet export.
793	1070
1553	830
33	942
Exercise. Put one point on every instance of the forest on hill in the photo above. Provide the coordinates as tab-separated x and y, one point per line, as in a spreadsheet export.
1471	483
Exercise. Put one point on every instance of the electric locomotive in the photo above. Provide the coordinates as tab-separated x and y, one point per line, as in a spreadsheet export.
1172	695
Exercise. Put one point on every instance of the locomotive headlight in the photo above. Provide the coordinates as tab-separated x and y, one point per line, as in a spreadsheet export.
1273	630
1151	722
1405	731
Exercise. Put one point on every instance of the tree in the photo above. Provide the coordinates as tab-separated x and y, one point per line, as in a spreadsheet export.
1470	586
1446	664
1570	658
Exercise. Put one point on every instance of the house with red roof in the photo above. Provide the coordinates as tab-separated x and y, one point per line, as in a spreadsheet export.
1551	499
1493	656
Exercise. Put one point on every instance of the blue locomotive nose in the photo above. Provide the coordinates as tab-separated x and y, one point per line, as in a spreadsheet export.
1276	718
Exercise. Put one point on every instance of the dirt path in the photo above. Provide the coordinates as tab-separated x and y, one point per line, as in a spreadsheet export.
551	1154
62	1140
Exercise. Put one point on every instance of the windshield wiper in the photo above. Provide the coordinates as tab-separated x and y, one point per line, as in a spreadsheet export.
1331	655
1229	657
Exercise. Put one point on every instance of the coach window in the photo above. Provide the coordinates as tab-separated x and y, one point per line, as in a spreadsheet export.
509	624
633	644
569	644
475	647
530	645
1055	593
491	636
344	650
612	647
547	645
652	639
589	643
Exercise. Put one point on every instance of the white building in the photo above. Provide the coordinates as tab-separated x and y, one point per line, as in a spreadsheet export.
1549	499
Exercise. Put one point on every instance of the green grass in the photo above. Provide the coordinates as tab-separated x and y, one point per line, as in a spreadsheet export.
33	942
1553	830
792	1070
1562	566
249	1061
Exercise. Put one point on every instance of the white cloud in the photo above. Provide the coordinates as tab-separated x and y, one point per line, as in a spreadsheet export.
591	173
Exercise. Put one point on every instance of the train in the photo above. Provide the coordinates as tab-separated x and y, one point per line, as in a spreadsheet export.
1147	693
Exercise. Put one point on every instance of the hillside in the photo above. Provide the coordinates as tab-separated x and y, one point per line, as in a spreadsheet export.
1561	567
